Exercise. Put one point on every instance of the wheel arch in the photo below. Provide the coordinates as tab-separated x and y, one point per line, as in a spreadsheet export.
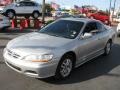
73	55
36	11
10	10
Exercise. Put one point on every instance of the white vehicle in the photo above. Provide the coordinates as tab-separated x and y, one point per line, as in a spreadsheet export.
23	8
117	19
118	29
4	22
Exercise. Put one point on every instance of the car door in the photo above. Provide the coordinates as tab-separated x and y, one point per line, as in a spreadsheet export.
20	8
102	35
30	7
88	46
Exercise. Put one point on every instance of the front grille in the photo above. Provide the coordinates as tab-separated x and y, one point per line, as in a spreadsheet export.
15	67
13	54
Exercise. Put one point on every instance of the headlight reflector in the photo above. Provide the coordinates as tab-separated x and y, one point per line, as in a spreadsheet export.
39	58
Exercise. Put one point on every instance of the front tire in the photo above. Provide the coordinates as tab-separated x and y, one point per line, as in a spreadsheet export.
4	29
10	14
65	67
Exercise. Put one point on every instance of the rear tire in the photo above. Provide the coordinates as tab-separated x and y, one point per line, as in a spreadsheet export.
36	14
107	48
65	67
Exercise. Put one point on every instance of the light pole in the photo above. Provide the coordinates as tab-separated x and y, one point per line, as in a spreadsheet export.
43	11
114	8
110	10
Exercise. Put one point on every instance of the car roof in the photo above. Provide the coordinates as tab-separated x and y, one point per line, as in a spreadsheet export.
85	20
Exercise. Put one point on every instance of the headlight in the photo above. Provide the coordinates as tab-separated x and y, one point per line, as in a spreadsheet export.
38	58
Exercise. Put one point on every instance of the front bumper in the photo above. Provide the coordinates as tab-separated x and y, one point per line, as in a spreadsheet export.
31	69
3	25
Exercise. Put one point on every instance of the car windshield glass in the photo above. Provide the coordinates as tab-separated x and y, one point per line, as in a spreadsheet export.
63	28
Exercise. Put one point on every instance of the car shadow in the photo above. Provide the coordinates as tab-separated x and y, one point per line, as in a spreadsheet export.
97	67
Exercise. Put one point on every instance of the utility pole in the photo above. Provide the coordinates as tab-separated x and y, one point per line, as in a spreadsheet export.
43	11
114	8
110	10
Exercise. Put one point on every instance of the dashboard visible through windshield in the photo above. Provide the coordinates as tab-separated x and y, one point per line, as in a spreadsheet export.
63	28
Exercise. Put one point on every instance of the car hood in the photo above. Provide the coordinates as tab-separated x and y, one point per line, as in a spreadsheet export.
37	41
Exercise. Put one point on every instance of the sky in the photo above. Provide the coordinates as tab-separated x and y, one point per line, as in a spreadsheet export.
101	4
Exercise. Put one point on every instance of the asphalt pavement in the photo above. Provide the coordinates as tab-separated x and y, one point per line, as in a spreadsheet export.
102	73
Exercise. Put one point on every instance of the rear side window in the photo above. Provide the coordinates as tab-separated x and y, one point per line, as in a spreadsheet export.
100	26
90	27
21	3
29	4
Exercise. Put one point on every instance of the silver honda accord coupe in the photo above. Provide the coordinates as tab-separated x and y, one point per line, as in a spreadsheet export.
59	47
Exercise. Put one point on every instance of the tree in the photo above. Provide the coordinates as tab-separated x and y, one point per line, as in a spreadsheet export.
48	8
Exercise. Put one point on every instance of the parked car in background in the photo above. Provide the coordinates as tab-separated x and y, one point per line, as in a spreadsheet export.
79	16
60	14
4	23
117	19
118	30
101	16
4	3
23	8
59	47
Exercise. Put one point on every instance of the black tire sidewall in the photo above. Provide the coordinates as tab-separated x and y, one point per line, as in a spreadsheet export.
34	15
58	74
9	12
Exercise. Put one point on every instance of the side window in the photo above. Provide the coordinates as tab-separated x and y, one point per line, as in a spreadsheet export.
30	4
90	27
100	27
21	4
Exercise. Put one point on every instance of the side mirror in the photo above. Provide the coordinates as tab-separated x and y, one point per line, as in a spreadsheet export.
86	36
95	31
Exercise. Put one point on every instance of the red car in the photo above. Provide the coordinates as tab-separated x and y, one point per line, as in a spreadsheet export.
101	16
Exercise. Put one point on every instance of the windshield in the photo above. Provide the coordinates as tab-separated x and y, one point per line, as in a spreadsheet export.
63	28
